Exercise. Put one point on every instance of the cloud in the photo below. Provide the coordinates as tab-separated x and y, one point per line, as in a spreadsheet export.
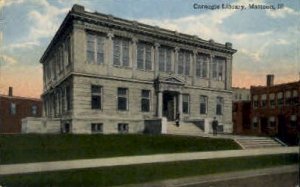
6	60
46	22
7	3
282	13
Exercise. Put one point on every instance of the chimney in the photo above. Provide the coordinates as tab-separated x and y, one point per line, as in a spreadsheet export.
10	91
270	80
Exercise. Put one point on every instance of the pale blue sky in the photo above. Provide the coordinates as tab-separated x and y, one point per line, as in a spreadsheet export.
267	41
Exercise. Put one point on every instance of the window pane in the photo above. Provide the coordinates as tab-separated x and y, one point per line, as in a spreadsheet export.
140	56
125	52
146	93
100	50
169	62
122	103
96	102
96	89
185	104
148	58
180	63
145	105
187	64
90	48
122	91
117	52
162	52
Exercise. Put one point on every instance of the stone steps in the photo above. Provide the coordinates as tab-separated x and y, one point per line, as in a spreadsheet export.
184	129
257	142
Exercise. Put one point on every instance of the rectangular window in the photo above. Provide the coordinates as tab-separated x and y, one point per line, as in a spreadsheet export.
272	101
255	101
95	49
96	96
293	121
254	122
201	65
280	99
203	104
264	100
145	102
295	97
68	98
122	99
144	55
121	52
185	103
219	106
218	67
13	108
272	122
123	128
34	110
90	48
288	97
184	60
165	63
68	51
96	127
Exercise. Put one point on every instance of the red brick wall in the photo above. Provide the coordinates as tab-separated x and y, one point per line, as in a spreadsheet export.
12	123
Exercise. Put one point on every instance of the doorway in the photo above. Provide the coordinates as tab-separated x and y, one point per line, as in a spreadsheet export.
170	105
264	125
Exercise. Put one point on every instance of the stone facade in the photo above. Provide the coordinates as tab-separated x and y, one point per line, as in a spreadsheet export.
106	74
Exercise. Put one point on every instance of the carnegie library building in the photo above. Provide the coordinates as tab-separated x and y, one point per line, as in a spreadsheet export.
111	75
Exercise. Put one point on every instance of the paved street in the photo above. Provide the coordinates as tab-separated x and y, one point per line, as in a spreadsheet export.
280	176
128	160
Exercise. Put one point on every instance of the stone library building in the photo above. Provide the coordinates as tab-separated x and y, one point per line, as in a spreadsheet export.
104	74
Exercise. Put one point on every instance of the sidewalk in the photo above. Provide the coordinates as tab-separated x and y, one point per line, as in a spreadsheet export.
275	176
129	160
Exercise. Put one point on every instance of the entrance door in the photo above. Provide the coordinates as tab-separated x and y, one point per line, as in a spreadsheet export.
281	127
169	105
264	125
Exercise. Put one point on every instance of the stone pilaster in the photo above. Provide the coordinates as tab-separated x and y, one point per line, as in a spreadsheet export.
134	56
176	59
193	66
109	53
156	59
180	105
159	103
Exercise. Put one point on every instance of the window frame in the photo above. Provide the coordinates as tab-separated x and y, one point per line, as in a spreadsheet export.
98	95
220	103
148	98
123	58
96	128
205	104
120	96
187	111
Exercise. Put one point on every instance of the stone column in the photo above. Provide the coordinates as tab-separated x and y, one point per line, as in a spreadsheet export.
193	66
159	103
156	59
209	70
134	56
176	59
180	105
228	73
109	53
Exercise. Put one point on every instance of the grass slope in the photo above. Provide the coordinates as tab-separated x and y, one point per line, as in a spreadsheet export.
144	173
36	148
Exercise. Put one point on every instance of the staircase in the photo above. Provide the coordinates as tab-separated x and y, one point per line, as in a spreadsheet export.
257	142
185	128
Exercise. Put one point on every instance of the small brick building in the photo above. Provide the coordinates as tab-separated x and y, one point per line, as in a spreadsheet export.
275	109
14	108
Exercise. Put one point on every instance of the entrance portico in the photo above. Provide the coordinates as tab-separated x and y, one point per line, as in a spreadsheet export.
169	97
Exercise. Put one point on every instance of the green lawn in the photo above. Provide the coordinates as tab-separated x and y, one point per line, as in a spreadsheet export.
146	172
37	148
